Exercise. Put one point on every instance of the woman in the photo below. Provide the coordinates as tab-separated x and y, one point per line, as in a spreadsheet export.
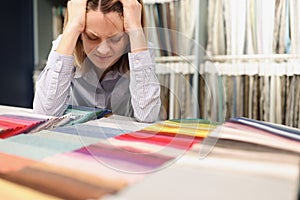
101	60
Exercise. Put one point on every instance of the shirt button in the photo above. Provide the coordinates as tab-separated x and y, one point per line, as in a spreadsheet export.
99	91
137	61
59	63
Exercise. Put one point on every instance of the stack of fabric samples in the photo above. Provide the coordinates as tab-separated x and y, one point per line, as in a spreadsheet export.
245	132
11	125
234	161
103	157
94	159
81	114
14	124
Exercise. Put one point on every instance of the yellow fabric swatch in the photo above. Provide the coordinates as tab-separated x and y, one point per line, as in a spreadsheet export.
191	129
12	191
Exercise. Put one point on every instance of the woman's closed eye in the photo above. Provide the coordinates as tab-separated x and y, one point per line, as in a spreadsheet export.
113	39
92	38
116	38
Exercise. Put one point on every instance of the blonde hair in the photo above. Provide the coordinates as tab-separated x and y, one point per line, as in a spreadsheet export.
105	6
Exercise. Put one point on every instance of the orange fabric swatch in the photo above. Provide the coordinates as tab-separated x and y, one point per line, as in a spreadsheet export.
10	163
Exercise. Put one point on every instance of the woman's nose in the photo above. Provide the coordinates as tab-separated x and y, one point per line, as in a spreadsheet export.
103	48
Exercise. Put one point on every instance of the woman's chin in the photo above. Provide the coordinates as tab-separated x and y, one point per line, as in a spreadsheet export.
103	63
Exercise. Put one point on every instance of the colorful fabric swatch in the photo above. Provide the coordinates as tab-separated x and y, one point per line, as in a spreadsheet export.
80	114
102	157
45	143
280	130
10	190
10	163
91	131
63	183
15	124
180	141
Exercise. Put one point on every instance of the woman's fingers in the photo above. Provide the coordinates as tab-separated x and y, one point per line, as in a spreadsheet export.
132	11
76	15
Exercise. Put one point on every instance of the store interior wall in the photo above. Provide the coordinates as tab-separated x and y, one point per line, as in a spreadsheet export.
17	53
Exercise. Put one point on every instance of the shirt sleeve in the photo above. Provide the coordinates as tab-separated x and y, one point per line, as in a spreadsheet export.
144	86
53	85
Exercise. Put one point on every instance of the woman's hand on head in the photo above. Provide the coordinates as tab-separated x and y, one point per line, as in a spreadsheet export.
76	16
132	12
74	27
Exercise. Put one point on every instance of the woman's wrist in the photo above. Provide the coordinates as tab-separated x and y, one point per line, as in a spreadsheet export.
68	41
137	38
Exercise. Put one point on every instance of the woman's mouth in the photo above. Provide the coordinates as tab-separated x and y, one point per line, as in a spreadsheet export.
103	57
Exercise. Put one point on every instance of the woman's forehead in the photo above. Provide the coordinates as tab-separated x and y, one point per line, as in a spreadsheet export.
104	25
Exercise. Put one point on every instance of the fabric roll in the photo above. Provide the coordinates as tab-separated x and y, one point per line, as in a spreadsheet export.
173	25
189	96
294	26
164	80
288	102
272	99
202	86
235	24
278	100
177	95
251	99
264	22
287	38
296	100
256	95
239	96
279	28
251	43
262	86
230	96
291	97
284	26
246	98
216	44
283	80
